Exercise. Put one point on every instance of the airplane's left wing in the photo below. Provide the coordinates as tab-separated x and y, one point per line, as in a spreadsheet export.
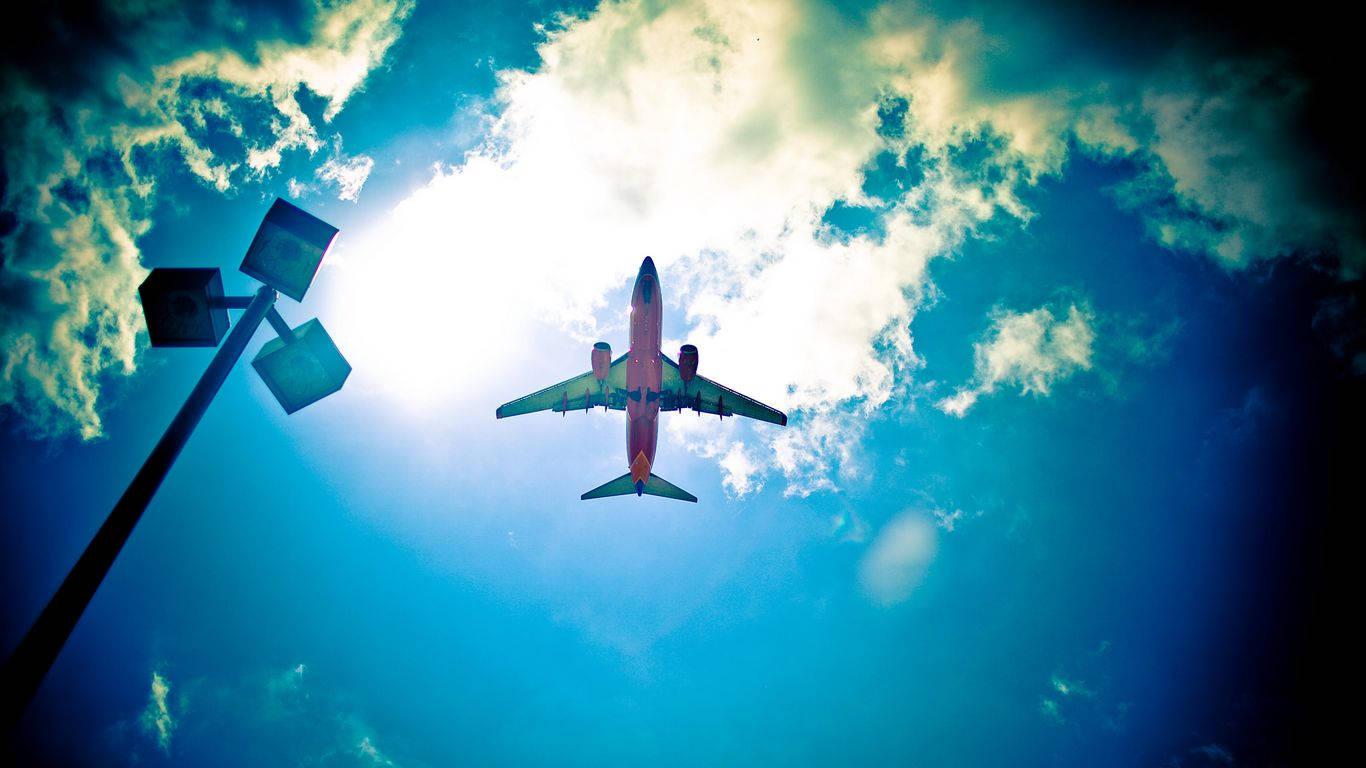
706	396
577	394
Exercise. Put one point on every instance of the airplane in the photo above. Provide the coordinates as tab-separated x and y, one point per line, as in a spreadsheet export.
642	382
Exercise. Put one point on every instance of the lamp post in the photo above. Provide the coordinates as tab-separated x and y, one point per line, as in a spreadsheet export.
187	308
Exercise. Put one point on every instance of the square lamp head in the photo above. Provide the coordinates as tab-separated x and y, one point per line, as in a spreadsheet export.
304	369
184	307
287	249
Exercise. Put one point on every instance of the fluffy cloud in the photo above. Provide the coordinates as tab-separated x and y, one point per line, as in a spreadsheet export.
1226	175
79	168
1032	350
192	101
713	137
738	469
718	137
156	718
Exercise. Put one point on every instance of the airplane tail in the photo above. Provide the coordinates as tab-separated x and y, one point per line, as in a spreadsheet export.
655	486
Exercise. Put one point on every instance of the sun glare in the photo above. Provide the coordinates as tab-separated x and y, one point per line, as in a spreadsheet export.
423	323
445	292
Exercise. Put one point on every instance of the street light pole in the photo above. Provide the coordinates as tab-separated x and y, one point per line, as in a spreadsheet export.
185	307
29	664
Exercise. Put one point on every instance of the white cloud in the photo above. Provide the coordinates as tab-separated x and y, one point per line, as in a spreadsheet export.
156	718
1032	350
737	471
81	182
348	174
958	403
898	558
710	135
713	137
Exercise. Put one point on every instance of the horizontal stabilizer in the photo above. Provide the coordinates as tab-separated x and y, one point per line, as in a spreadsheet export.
655	486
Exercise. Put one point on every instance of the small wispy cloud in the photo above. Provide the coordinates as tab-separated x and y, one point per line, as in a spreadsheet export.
1060	690
1065	687
285	716
156	718
1215	754
1032	350
897	560
946	519
1051	710
1081	694
367	749
347	174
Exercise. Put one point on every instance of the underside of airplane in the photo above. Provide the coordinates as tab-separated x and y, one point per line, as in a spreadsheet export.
643	382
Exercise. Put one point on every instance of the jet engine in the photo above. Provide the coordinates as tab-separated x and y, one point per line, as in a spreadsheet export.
602	360
687	363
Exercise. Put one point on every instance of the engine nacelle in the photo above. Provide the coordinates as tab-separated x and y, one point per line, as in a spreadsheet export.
687	363
602	360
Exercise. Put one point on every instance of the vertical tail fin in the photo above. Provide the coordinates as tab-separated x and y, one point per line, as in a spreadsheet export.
623	486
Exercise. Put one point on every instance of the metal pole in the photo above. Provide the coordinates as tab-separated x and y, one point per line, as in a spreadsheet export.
231	302
27	667
278	323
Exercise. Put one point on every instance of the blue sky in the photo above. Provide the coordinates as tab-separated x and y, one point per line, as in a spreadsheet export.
1064	306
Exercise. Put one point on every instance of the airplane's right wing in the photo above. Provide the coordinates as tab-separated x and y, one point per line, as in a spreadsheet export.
706	396
577	394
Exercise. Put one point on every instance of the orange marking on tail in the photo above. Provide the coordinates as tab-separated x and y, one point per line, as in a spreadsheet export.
640	468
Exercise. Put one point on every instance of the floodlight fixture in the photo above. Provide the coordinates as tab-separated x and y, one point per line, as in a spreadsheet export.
287	249
187	308
184	307
302	366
